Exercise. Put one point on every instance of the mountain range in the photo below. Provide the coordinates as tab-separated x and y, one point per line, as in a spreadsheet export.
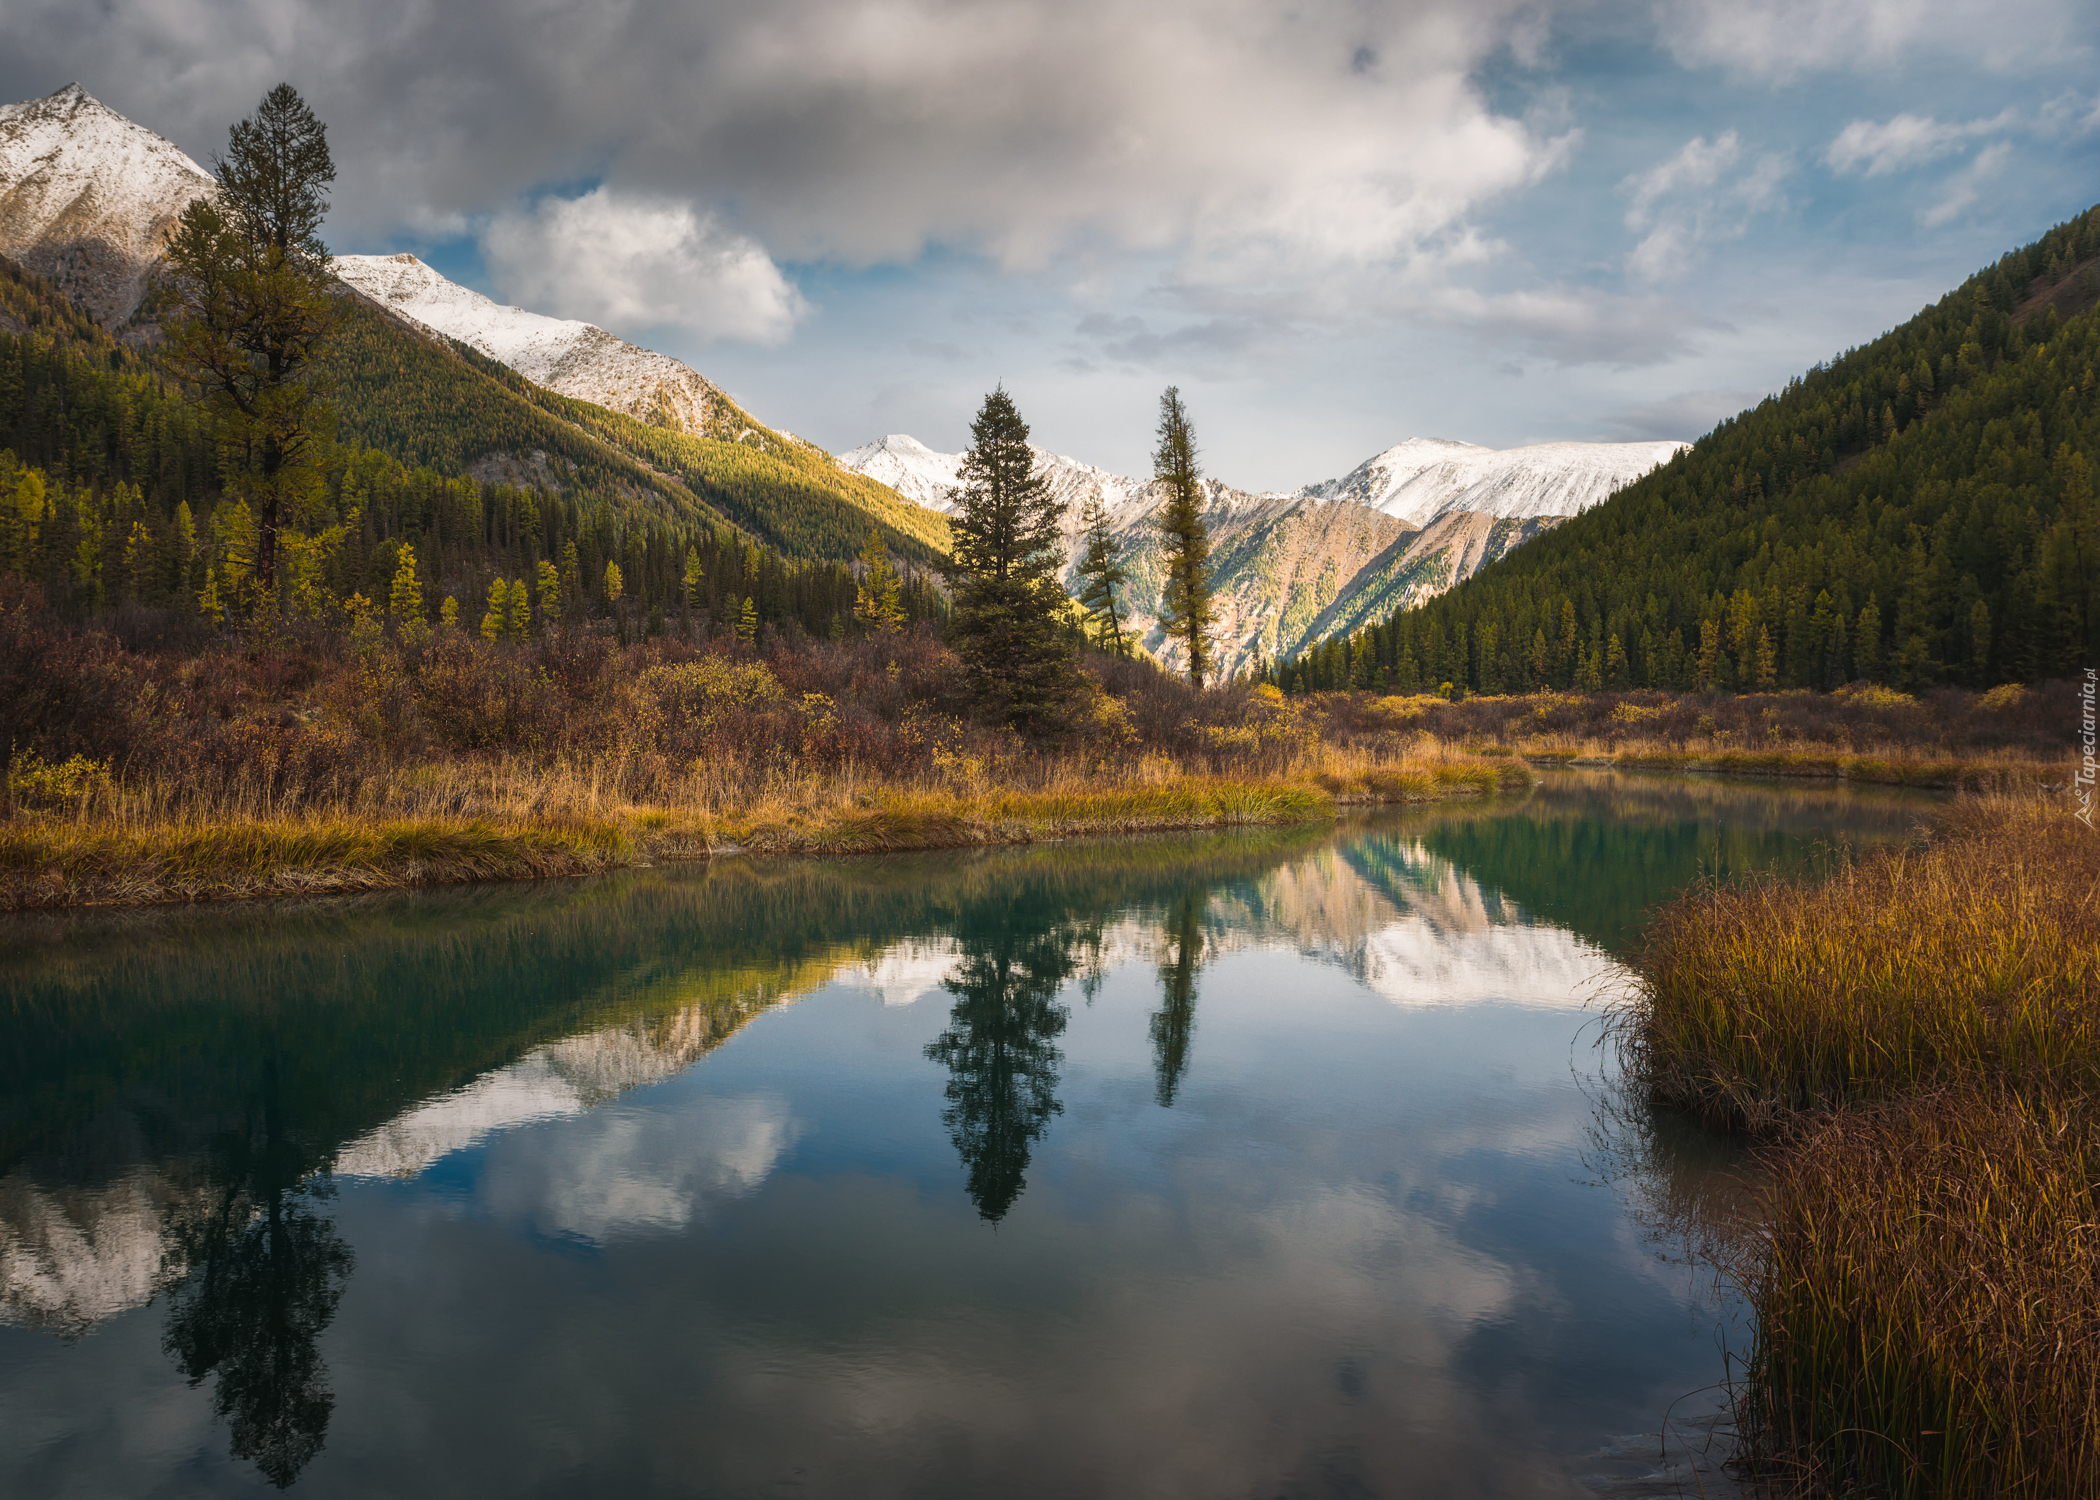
1294	568
88	199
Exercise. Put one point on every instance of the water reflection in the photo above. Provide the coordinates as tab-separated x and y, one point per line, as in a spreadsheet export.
181	1093
1174	1021
999	1047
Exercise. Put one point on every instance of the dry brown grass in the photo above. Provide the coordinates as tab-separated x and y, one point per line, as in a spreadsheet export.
1928	1301
1975	956
466	818
1918	1038
1970	770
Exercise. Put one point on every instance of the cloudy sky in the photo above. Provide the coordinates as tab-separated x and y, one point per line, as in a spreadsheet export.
1334	223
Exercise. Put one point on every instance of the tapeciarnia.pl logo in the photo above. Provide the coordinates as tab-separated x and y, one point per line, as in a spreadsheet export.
2086	735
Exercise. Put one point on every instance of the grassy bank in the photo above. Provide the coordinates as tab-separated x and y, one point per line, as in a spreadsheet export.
1977	771
527	821
2007	739
1917	1039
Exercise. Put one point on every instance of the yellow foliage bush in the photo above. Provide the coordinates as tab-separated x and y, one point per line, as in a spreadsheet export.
702	693
36	782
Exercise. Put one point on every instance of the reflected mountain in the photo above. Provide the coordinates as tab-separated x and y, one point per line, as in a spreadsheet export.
178	1089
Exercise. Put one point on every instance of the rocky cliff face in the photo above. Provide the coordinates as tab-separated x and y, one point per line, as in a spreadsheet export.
89	199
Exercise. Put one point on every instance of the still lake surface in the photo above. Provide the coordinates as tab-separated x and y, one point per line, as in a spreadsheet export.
1275	1163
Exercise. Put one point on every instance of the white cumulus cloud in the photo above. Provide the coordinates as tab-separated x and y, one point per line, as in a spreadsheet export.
628	261
1880	147
1782	38
1696	197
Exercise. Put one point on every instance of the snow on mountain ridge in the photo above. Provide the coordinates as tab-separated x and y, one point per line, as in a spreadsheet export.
1416	481
566	356
89	198
1425	478
925	476
1291	570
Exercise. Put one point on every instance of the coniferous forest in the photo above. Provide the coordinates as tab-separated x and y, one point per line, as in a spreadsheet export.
1919	511
112	484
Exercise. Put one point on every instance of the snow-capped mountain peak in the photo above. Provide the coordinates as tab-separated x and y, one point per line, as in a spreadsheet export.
928	477
88	198
570	357
1292	569
909	467
1424	478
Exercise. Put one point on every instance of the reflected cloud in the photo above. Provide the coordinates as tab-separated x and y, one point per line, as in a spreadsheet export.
632	1171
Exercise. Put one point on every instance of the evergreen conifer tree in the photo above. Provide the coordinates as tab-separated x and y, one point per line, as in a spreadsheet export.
1006	623
498	606
258	302
1102	569
878	604
520	624
1185	602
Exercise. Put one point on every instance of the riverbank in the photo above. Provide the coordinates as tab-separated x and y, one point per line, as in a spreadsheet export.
119	852
1916	1042
1939	772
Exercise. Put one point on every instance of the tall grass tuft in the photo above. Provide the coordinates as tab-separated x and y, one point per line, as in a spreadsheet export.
1929	1301
1975	955
1917	1036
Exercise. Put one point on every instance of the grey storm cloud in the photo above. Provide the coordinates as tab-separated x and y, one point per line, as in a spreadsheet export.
1242	138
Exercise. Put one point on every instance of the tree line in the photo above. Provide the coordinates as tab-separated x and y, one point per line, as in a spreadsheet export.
1918	511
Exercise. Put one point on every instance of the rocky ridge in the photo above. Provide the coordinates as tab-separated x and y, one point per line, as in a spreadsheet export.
1292	569
90	199
566	356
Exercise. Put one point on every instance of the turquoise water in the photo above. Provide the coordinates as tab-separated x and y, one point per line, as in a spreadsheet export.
1283	1163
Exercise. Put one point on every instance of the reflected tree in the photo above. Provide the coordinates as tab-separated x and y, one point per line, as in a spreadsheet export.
998	1048
267	1271
1175	1020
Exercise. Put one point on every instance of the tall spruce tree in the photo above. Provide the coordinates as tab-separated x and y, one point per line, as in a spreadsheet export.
1007	621
257	303
1185	602
1101	568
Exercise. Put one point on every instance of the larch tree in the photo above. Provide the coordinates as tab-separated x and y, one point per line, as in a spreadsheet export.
1007	622
258	301
878	602
1185	602
1102	571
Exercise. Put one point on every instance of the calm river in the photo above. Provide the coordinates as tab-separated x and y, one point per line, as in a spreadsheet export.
1277	1163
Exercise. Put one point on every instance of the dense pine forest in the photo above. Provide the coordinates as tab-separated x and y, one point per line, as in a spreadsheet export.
1917	512
111	484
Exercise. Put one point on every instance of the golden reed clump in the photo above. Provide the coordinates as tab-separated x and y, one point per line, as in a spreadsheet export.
1975	954
1918	1038
1929	1300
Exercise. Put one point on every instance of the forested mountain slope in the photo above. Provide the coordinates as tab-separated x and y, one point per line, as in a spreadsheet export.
431	401
1919	510
90	197
110	490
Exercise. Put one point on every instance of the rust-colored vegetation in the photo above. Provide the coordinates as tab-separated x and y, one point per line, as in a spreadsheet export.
1916	1039
154	761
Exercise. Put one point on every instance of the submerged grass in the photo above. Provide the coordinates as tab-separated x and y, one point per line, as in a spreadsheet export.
1917	1039
517	819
